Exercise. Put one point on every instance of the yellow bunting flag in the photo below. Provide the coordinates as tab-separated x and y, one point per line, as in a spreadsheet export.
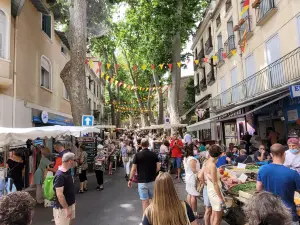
147	89
116	82
161	66
197	61
179	64
215	58
91	63
102	74
107	77
233	52
132	88
108	65
244	10
126	67
124	85
144	67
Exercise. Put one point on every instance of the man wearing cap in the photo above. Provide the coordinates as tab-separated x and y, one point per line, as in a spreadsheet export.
146	164
64	200
292	156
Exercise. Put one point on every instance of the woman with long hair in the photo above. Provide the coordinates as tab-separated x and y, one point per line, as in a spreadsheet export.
166	208
40	174
83	166
191	167
16	169
265	208
214	185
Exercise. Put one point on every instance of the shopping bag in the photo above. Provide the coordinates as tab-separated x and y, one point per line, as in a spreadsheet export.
48	188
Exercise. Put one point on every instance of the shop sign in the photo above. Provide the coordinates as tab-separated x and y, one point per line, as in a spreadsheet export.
295	91
231	114
292	115
44	117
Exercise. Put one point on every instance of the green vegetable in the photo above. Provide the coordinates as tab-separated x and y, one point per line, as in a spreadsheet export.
252	167
249	187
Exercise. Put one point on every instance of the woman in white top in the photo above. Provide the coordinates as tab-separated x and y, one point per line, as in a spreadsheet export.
192	167
164	156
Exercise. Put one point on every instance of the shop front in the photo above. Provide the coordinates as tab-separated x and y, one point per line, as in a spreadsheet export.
44	118
291	114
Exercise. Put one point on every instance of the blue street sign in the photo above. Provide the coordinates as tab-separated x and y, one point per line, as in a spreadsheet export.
87	121
295	91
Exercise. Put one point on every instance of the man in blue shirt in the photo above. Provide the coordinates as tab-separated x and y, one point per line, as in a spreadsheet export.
279	180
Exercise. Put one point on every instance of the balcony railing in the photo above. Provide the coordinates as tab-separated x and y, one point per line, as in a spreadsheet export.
264	11
211	77
203	85
230	44
220	57
282	72
246	26
208	46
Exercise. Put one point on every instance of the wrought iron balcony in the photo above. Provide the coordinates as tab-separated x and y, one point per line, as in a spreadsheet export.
265	10
197	89
246	29
203	85
230	45
208	46
211	77
220	57
282	72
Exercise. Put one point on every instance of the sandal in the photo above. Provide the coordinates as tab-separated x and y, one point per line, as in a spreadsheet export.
80	192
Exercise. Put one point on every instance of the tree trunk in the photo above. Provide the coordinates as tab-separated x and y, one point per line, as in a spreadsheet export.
110	92
150	113
144	116
160	117
118	122
176	72
73	74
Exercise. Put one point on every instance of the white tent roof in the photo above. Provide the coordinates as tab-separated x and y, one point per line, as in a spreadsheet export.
163	126
18	136
105	127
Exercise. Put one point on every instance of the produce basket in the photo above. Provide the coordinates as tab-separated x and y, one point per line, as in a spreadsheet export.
248	187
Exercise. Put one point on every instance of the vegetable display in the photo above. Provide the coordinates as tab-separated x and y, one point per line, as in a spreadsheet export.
252	167
249	187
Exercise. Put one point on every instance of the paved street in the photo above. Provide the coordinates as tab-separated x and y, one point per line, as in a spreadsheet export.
116	204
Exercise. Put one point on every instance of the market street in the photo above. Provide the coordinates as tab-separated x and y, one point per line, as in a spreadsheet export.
116	204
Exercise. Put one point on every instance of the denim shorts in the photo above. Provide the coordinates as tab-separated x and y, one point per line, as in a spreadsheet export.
146	190
176	162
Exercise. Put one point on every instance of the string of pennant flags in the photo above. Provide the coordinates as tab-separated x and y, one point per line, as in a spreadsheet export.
127	109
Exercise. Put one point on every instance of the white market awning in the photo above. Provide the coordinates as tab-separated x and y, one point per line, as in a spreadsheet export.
105	127
204	124
19	136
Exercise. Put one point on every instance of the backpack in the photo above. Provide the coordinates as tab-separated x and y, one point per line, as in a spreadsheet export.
48	188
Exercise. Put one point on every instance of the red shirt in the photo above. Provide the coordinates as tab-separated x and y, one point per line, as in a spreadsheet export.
176	152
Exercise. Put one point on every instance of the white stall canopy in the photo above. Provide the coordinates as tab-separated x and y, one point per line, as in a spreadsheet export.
19	136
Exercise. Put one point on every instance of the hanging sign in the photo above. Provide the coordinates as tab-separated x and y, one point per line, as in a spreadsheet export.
295	91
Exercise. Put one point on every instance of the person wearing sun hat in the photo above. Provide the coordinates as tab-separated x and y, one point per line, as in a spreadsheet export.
292	156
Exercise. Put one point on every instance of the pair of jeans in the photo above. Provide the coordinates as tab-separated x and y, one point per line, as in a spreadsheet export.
99	176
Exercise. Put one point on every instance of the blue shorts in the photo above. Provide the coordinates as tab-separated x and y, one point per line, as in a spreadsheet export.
146	190
176	162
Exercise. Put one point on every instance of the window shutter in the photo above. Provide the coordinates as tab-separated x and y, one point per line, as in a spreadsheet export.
2	33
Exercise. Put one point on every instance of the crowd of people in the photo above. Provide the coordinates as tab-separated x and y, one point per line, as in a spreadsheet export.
156	170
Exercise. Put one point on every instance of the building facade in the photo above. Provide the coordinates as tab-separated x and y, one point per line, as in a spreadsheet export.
32	55
248	59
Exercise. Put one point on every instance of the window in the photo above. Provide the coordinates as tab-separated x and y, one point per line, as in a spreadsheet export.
46	24
97	90
218	20
90	104
252	86
94	106
3	33
228	5
298	24
234	81
65	93
63	49
94	88
46	73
